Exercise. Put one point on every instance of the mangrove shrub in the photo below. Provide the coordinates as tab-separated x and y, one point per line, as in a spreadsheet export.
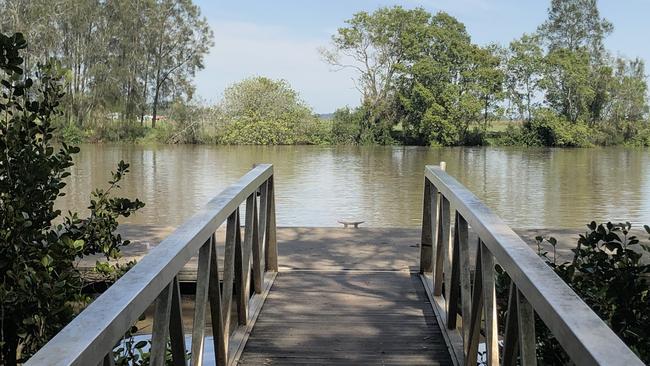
40	288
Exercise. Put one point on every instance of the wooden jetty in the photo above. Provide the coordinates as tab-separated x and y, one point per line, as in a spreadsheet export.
326	296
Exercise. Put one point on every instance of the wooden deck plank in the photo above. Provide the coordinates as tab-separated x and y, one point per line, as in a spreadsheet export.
346	318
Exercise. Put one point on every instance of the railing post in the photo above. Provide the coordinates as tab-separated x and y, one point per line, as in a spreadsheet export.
160	327
263	223
201	302
271	246
241	269
453	292
232	229
254	236
474	326
176	333
442	233
429	226
219	334
426	242
526	326
465	274
490	306
510	341
442	259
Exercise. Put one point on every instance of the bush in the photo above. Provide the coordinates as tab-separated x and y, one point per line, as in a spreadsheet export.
608	274
102	129
346	126
40	286
514	136
267	112
71	134
552	129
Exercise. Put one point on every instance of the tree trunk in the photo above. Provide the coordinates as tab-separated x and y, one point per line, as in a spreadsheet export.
154	113
144	92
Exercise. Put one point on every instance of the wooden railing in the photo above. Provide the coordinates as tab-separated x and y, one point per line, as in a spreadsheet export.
90	338
467	308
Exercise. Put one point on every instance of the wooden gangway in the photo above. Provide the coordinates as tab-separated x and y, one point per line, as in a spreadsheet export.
339	296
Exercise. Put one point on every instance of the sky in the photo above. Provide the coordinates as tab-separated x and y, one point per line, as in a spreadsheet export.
280	38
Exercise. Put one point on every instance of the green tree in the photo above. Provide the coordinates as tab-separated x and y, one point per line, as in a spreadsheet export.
446	85
568	85
576	24
346	125
181	39
262	111
523	70
375	45
39	284
490	79
629	97
574	28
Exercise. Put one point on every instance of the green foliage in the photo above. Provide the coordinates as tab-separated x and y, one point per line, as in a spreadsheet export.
575	24
376	47
103	129
609	275
447	85
568	83
551	129
514	136
263	111
130	352
71	134
346	125
39	285
123	57
523	72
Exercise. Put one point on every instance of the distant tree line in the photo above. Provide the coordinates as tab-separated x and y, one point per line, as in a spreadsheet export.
421	78
122	58
424	82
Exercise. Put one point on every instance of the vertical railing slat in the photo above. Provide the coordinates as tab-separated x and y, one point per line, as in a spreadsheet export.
441	264
258	270
453	294
426	241
526	324
465	275
510	341
490	306
429	226
219	337
471	347
160	328
176	333
201	302
240	269
271	245
263	215
232	227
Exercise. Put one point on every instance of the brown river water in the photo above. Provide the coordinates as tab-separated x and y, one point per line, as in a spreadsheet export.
316	186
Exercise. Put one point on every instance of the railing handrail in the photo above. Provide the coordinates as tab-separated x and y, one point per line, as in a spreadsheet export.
104	322
578	329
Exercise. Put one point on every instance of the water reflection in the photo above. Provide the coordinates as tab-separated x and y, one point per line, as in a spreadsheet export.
316	186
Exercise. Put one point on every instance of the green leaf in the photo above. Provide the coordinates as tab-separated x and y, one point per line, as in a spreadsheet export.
46	261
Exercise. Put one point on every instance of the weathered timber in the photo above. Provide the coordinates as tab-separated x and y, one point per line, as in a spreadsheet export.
346	317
